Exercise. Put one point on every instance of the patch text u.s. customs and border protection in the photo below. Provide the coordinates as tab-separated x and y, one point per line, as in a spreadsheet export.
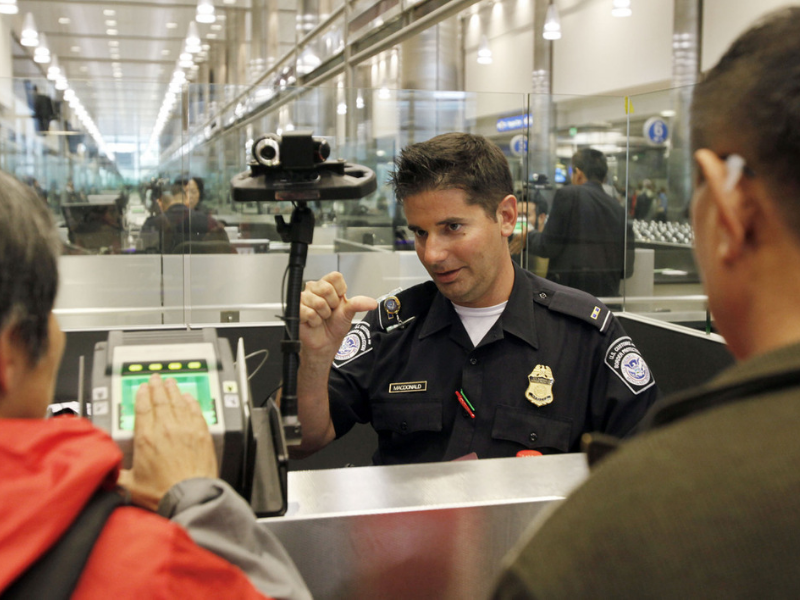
627	363
355	344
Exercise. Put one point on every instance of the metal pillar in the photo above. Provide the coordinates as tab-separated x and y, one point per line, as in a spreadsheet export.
541	133
429	62
236	47
685	72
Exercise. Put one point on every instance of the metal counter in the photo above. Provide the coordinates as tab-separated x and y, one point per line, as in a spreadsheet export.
437	530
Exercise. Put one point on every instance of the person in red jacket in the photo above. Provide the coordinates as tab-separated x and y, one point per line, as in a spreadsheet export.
212	546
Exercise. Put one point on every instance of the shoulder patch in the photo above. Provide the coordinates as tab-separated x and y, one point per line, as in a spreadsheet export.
579	305
355	344
627	363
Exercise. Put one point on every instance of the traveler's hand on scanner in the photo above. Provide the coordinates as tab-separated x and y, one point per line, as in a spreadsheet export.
171	443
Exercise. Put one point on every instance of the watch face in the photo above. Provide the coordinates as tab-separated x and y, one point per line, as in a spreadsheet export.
392	305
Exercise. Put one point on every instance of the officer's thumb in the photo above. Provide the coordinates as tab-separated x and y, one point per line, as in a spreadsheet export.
358	304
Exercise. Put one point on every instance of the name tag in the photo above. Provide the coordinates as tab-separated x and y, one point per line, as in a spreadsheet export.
408	386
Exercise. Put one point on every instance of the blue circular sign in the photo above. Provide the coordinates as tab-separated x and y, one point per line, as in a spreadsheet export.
656	130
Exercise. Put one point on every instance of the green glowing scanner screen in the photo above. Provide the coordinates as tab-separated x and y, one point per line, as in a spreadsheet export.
196	384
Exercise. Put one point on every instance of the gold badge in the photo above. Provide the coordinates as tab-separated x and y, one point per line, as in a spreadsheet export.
540	388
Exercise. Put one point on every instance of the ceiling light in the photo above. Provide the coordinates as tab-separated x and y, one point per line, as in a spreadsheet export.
484	52
212	36
42	52
193	38
205	47
109	12
229	1
113	43
552	24
621	8
111	23
115	56
165	52
205	11
75	48
53	70
64	20
172	25
8	7
112	31
216	27
29	36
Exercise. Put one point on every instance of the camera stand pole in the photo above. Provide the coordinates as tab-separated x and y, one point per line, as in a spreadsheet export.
299	233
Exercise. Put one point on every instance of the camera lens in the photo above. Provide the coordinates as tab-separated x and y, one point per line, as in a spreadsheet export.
321	150
267	151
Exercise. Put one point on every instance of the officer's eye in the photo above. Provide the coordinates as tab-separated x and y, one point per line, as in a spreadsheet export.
454	226
420	233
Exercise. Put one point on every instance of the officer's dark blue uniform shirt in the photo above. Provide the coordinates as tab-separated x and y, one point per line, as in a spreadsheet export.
555	365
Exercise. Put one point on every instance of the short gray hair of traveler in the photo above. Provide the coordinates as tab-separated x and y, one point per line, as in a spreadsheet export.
29	250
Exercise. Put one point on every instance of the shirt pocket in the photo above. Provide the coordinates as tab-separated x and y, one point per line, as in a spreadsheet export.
531	430
404	417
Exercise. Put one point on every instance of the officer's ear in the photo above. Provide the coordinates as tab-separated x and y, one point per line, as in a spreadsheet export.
506	215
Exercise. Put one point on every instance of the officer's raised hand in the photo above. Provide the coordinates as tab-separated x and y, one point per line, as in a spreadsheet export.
326	314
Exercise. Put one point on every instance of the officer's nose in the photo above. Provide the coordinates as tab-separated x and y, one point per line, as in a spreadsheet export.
434	250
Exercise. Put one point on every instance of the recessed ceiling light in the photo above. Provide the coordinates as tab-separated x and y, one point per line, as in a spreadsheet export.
64	20
109	12
172	25
221	17
112	31
75	48
206	47
115	56
216	27
116	65
229	1
165	52
113	43
111	23
212	36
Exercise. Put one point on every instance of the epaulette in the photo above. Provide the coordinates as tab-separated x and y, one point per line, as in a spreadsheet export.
575	303
398	308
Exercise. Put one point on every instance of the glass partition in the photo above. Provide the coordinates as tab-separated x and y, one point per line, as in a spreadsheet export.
126	264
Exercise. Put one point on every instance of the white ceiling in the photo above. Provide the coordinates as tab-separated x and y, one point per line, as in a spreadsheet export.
124	108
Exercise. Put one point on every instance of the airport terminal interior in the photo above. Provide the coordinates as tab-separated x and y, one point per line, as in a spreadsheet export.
108	108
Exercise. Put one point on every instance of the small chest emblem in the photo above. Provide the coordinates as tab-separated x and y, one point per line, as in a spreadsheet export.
392	306
540	386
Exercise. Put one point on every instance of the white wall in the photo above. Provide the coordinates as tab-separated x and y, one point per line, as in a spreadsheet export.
598	53
6	63
724	20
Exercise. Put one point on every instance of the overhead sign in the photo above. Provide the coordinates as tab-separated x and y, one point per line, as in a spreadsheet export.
515	122
656	131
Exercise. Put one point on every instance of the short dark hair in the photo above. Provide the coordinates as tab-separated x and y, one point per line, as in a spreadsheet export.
749	104
454	160
29	250
592	163
184	181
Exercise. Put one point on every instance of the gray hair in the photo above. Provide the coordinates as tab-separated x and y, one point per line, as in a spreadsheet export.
29	250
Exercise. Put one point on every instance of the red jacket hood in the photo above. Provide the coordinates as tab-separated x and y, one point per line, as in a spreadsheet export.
48	471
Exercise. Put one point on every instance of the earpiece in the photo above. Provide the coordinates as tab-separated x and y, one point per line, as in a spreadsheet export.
735	164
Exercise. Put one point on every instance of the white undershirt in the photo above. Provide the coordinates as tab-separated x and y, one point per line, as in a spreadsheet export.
478	321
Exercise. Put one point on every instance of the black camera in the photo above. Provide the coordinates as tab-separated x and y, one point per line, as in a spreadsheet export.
292	152
294	167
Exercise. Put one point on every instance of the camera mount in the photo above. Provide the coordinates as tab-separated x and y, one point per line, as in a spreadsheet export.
293	167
